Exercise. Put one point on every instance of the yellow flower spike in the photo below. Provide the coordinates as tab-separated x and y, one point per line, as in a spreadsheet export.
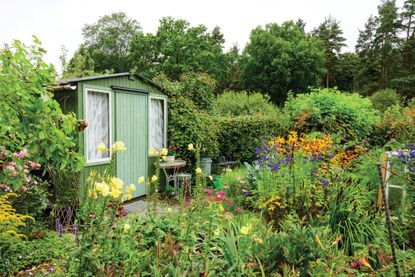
318	241
89	193
154	179
190	147
151	151
126	227
118	146
101	147
141	180
198	170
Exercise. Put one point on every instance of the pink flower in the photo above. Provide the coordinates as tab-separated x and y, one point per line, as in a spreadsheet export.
225	187
14	173
24	188
21	154
187	203
238	210
208	191
34	165
221	193
10	167
6	188
27	179
393	140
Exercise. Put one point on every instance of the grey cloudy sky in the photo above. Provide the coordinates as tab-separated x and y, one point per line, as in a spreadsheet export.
59	22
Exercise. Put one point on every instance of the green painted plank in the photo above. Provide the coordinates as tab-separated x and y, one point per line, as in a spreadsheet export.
131	127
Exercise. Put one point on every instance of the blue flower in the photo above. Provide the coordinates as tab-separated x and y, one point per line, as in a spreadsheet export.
324	182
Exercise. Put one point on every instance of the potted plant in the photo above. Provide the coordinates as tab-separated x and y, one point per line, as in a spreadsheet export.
171	153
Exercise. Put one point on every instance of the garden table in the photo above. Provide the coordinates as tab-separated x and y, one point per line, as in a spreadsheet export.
175	166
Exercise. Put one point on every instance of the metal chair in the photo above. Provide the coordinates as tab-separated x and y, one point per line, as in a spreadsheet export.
184	180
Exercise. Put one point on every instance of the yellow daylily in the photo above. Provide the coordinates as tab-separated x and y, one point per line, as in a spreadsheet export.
210	178
190	147
118	146
101	147
151	151
154	179
245	230
141	180
164	158
126	227
115	193
105	190
129	196
116	183
198	170
130	188
164	151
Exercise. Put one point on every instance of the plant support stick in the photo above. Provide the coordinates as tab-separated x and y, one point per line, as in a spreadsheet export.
388	221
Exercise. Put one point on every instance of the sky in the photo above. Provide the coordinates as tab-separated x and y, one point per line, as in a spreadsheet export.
59	22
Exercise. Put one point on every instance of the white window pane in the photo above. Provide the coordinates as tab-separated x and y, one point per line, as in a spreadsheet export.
98	124
157	123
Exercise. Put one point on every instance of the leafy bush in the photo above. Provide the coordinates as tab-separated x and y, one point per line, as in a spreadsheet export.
383	99
30	118
34	252
332	111
398	123
238	136
241	103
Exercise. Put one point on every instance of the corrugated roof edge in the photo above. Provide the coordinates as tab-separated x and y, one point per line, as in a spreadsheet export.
144	79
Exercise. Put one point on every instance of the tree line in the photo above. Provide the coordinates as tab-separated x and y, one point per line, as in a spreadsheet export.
278	58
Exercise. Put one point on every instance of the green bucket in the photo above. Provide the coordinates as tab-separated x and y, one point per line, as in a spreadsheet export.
217	182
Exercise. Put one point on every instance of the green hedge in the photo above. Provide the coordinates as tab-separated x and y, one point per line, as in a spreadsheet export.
238	136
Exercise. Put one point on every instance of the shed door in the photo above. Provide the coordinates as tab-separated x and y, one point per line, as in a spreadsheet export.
131	127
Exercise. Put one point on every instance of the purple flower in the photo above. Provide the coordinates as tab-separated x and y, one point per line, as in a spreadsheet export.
245	192
324	182
60	230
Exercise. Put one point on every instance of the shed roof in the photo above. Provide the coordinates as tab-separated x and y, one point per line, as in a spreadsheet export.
89	78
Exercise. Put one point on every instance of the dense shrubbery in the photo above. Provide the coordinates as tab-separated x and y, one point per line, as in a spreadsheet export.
329	110
398	123
384	99
238	136
30	118
241	103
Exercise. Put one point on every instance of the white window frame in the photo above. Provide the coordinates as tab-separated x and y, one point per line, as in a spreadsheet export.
391	154
165	119
85	96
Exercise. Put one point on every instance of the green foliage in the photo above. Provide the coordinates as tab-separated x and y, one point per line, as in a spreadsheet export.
241	103
278	59
383	99
238	136
330	110
25	254
188	124
346	71
30	117
106	46
178	48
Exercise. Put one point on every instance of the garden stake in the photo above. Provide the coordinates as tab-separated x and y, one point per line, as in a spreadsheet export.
388	221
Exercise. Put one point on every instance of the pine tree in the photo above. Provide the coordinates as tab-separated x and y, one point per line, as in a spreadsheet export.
330	34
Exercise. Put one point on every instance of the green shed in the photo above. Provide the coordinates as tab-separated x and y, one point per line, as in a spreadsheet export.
117	107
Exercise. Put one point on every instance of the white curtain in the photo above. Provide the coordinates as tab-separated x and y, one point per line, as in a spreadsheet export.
98	112
157	123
